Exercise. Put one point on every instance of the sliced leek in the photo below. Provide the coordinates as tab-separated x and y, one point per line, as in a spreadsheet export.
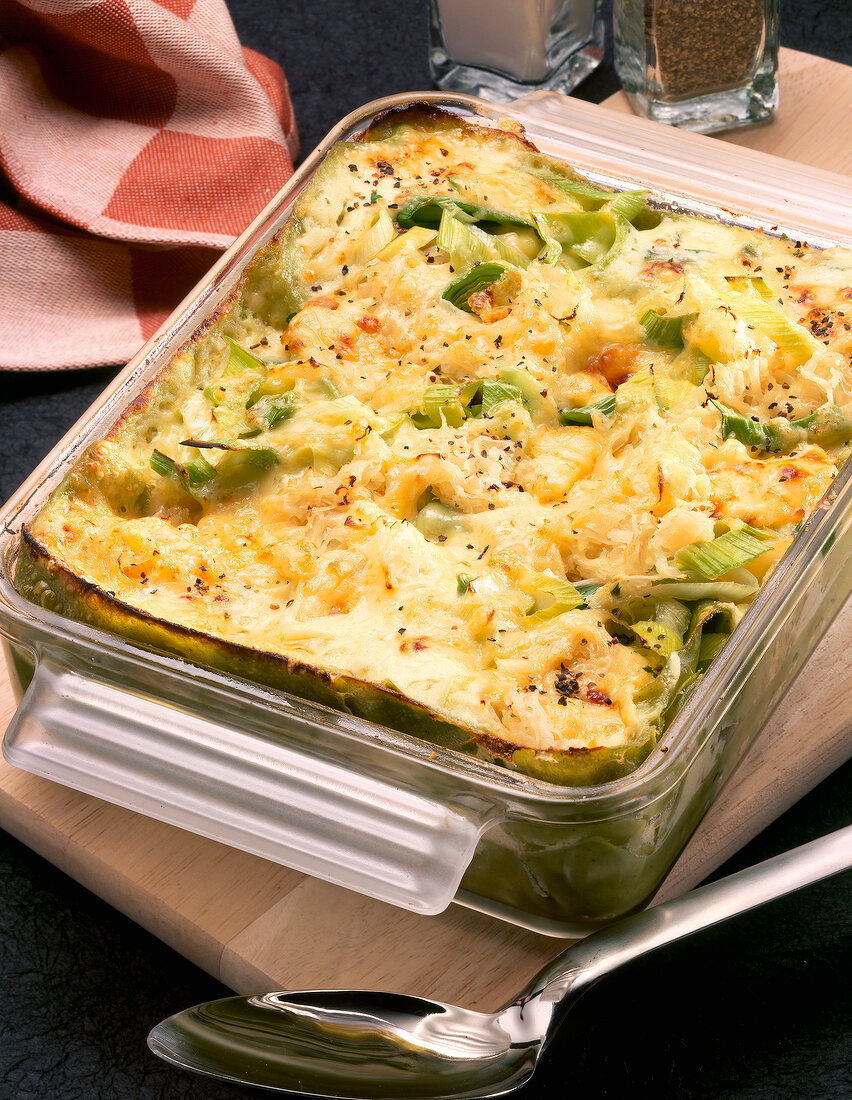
380	234
628	205
416	238
658	637
493	394
709	560
551	252
469	245
584	415
551	597
446	404
757	313
665	332
478	278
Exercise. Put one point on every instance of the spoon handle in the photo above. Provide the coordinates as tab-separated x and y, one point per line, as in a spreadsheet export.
603	951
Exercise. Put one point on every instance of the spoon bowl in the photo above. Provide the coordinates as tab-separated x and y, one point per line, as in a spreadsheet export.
371	1046
383	1044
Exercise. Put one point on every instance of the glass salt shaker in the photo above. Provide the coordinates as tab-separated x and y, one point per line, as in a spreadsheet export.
503	49
703	65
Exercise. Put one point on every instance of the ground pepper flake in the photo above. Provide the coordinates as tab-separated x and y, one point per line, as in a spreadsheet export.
704	45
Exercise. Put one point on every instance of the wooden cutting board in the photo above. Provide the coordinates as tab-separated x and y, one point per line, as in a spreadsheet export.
258	926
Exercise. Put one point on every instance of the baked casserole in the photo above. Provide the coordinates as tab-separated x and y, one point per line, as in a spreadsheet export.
479	450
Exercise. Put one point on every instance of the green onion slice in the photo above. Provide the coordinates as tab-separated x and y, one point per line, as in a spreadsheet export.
709	560
463	583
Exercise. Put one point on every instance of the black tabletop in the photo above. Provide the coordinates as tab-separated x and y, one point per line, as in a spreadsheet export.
759	1008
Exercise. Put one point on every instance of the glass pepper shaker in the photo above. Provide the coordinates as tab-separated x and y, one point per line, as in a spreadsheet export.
703	65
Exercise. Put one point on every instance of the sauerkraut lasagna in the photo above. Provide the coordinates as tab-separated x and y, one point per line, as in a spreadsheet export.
479	450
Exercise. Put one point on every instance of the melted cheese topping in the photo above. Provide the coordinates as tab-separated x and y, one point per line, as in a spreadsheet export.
342	534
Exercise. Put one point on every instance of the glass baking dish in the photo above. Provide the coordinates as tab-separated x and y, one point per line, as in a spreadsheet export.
383	812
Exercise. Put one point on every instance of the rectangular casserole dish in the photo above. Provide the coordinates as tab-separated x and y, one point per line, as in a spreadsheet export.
378	810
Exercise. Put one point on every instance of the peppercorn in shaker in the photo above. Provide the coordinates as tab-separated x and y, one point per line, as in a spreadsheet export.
702	65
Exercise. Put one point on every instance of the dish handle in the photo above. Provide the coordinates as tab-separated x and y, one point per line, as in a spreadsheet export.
253	793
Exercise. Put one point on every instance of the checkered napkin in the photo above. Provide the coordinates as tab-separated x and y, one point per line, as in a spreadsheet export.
137	138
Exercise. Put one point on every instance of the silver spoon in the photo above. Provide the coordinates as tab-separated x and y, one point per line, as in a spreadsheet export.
358	1044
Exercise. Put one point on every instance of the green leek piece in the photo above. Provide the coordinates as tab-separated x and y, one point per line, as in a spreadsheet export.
414	239
199	471
711	644
628	205
588	237
832	425
164	466
463	583
240	359
587	193
479	277
241	467
262	457
551	251
492	394
465	248
638	392
587	589
656	697
658	637
749	430
669	392
777	435
759	314
238	388
282	408
665	332
585	413
696	367
745	283
468	245
533	393
709	560
329	389
427	210
446	404
189	477
689	591
437	520
378	236
674	615
564	597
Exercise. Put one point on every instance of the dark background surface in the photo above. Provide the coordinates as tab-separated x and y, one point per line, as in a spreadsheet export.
758	1009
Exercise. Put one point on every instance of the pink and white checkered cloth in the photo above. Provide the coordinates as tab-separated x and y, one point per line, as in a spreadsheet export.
138	139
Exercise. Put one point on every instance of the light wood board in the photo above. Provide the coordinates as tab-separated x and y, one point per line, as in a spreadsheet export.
258	926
